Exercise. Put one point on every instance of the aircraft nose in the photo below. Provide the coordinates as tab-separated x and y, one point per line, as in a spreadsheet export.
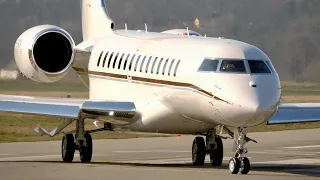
258	104
253	100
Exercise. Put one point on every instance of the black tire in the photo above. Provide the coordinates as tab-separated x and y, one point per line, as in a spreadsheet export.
198	151
216	157
245	166
234	165
67	148
86	152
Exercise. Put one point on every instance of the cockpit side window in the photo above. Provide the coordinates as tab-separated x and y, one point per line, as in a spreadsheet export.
236	66
257	66
271	67
209	65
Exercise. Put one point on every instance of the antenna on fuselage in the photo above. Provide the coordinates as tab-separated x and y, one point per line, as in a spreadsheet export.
146	27
188	32
126	27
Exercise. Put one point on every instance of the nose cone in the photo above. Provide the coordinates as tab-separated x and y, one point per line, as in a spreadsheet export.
253	99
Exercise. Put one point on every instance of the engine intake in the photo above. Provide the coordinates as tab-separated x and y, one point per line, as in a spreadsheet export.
44	53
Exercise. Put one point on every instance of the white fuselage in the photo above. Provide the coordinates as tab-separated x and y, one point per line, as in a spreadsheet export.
174	97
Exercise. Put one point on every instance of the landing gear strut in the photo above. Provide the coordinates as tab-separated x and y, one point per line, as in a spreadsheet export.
238	162
213	146
81	142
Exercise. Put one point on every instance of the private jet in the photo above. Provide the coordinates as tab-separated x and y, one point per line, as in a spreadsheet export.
173	82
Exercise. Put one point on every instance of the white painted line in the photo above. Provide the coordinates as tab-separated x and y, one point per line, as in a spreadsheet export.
5	154
152	151
170	161
301	147
288	162
31	157
284	153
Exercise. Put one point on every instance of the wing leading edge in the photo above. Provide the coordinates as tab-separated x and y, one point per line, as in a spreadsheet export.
67	108
296	113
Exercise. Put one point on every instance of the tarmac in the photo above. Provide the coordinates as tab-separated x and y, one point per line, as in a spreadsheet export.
277	155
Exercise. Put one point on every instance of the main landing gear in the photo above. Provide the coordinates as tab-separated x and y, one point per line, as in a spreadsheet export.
69	146
238	162
81	142
213	146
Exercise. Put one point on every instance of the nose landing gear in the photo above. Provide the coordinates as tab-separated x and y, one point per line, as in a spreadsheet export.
238	162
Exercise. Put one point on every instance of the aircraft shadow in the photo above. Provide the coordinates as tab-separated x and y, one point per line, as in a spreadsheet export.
299	169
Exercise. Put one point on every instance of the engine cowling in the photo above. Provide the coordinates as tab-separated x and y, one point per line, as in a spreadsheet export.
44	53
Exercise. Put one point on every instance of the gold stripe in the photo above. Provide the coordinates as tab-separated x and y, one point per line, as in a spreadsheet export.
156	81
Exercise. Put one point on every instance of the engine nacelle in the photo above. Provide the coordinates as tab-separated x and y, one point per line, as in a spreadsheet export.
44	53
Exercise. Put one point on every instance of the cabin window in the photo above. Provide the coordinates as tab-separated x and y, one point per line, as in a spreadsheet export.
154	63
170	67
148	64
209	65
236	66
125	62
110	58
115	61
165	66
176	69
120	60
136	67
144	59
99	59
258	67
104	60
131	62
159	65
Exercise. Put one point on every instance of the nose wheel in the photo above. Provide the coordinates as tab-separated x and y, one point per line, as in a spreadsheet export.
239	164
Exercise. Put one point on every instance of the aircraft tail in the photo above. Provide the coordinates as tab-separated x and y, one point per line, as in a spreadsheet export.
96	21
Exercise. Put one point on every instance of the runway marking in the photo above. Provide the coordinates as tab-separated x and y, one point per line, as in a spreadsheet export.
31	157
146	158
152	151
168	161
288	162
284	153
301	147
160	160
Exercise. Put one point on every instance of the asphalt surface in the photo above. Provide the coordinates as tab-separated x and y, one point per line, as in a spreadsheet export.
278	155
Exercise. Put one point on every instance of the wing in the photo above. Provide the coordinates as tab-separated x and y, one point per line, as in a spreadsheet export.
296	113
67	108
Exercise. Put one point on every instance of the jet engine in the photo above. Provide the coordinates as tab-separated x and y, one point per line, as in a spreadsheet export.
44	53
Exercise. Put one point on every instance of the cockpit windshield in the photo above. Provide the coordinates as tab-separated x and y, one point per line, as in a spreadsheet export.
236	66
209	65
233	66
258	67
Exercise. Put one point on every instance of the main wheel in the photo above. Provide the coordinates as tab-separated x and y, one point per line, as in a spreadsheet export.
198	151
86	151
244	166
67	148
234	165
216	157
